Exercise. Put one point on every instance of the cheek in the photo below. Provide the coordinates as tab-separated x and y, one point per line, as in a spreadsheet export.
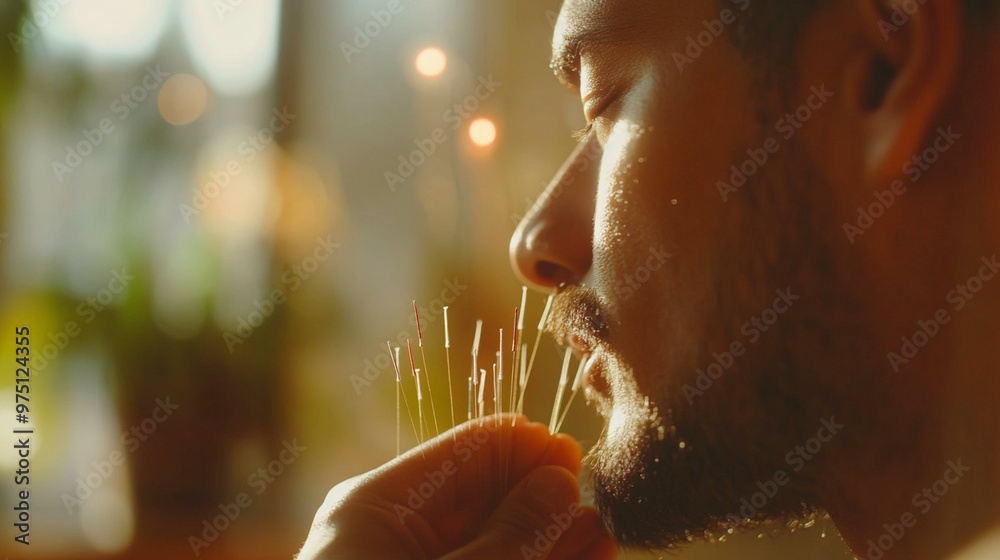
657	194
617	226
636	236
673	142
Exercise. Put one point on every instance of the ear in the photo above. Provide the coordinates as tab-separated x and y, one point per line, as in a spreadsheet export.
903	77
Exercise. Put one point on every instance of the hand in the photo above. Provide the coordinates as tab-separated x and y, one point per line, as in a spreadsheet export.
484	490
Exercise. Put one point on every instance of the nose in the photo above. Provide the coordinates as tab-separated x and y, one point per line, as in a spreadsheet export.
553	244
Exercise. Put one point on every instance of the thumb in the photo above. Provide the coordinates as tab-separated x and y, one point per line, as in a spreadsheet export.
530	520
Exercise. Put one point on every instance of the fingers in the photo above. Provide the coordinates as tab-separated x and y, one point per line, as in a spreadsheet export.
526	443
490	486
586	539
476	460
445	490
540	519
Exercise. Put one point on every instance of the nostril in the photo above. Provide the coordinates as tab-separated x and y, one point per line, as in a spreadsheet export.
551	273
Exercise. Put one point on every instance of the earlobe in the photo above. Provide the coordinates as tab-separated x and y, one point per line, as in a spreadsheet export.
904	79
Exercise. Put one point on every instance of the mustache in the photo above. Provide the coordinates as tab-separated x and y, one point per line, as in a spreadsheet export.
578	311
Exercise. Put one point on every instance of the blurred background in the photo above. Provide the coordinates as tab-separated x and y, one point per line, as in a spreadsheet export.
216	212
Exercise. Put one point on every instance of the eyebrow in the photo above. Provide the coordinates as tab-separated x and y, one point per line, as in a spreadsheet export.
565	61
566	48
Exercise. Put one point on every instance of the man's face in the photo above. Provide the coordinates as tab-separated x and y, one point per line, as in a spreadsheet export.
721	327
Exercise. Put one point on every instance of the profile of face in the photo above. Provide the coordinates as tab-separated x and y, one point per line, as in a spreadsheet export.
735	333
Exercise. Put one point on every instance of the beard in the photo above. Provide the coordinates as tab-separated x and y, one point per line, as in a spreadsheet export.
675	465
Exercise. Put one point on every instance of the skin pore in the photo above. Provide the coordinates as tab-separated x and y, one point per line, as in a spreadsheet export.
748	273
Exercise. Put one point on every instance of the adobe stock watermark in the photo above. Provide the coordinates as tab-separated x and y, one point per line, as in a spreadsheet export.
547	538
786	127
923	501
258	481
902	10
33	23
429	313
131	440
365	33
122	106
958	297
86	311
426	147
291	280
463	449
552	17
753	330
796	459
630	285
225	7
248	150
696	44
589	155
914	169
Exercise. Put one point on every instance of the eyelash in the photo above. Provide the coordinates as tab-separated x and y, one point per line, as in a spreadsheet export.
583	133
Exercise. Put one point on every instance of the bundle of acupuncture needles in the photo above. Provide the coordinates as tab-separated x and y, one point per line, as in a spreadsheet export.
489	392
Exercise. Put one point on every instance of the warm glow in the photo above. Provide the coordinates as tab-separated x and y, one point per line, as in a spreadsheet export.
233	45
108	520
482	132
182	99
103	30
431	62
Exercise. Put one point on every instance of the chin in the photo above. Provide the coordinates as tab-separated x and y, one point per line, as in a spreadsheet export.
662	478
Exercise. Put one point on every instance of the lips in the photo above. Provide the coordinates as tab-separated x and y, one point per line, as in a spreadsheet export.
579	321
580	346
595	382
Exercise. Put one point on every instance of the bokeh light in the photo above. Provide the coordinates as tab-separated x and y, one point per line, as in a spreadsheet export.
482	132
182	99
104	31
234	46
431	62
